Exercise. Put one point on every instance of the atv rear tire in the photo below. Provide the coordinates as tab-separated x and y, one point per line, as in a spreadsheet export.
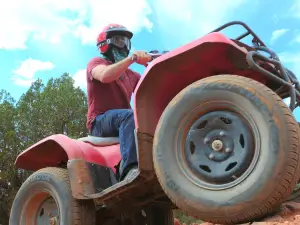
226	150
45	196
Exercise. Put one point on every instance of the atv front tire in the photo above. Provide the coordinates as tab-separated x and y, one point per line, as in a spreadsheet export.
226	150
46	198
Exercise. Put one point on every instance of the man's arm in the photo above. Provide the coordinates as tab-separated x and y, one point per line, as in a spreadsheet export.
109	73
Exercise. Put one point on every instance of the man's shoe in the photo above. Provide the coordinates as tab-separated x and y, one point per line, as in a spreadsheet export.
131	174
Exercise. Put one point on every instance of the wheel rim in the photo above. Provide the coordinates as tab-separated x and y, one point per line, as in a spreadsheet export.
219	149
41	209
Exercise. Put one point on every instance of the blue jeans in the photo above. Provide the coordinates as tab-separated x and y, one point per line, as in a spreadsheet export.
119	123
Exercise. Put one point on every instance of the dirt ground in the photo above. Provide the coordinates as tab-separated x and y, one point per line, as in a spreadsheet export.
289	214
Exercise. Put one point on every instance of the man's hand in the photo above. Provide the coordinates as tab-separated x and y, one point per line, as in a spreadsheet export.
141	57
110	73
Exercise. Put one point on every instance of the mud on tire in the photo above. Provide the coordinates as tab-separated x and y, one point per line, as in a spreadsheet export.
259	139
35	201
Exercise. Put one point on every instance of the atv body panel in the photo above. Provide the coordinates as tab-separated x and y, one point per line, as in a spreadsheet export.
87	159
58	149
167	75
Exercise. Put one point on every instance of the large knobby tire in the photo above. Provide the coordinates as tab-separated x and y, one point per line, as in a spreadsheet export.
226	150
46	195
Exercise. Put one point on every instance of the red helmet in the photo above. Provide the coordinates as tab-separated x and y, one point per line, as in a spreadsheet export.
114	34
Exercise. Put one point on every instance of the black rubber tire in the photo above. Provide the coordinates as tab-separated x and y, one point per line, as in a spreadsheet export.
55	181
275	174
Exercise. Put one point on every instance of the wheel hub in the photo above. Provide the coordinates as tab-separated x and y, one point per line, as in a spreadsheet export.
53	221
219	148
217	145
48	213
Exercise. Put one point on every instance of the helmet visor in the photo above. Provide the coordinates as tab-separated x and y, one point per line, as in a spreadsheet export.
120	41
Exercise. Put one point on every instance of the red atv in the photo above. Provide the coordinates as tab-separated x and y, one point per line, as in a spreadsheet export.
214	139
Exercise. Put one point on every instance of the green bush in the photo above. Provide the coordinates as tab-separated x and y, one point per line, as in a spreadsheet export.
183	218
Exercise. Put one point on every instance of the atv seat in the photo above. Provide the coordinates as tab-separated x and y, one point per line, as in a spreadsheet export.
100	141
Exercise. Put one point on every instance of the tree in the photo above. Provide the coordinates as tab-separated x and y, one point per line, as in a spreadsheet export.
42	111
46	110
67	104
8	136
8	144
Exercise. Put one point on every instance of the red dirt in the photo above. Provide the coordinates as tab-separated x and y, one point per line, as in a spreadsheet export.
289	214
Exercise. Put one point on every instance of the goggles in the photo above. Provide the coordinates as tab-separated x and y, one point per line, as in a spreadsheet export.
118	41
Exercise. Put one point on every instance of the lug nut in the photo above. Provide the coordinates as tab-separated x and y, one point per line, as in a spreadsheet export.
228	150
221	133
211	156
217	145
52	221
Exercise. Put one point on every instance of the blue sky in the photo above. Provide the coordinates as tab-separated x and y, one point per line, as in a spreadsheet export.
43	39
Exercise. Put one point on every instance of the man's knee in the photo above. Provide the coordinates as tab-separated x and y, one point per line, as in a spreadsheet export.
129	111
130	118
128	114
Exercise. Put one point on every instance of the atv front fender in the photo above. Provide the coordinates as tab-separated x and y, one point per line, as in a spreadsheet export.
168	74
58	149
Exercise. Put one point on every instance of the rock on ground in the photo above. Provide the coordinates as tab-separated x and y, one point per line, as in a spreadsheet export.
289	214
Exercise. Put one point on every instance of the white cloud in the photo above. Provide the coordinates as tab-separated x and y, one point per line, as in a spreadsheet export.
80	79
290	57
22	82
291	61
187	19
50	20
297	38
133	14
296	8
24	75
278	33
30	66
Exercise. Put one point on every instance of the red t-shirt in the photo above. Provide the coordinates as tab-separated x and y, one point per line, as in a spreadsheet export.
105	96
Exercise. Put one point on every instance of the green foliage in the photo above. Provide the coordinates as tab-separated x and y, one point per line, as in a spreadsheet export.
184	219
8	141
8	138
51	108
45	109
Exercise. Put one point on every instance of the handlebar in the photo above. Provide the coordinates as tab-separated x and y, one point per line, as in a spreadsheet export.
155	54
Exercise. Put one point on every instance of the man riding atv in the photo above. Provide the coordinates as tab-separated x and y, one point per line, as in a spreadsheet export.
211	131
110	84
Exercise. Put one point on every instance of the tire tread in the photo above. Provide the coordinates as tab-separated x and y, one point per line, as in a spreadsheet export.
80	208
290	176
